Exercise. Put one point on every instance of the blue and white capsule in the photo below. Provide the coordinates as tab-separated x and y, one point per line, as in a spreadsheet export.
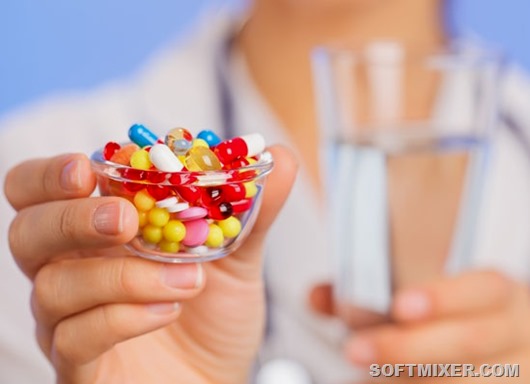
142	136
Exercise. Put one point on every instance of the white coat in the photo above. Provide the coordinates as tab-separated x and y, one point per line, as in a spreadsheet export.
178	87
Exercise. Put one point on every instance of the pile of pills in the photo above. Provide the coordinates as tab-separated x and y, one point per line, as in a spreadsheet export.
178	213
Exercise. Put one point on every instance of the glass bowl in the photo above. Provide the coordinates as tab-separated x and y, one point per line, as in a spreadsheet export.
187	216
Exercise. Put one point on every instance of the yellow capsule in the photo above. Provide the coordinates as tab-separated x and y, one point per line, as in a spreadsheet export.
231	227
174	231
215	237
169	246
152	234
143	201
250	189
158	216
202	159
199	143
140	160
142	218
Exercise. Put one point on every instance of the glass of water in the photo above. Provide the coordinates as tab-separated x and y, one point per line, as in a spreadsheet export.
406	134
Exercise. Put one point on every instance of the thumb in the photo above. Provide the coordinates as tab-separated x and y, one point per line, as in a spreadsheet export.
277	188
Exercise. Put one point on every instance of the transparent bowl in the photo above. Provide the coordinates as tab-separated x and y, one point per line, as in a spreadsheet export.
187	216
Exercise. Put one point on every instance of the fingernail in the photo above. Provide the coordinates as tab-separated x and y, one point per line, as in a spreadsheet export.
413	305
108	219
70	176
163	308
184	276
361	351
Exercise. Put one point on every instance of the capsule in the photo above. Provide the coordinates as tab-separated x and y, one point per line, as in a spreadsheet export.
164	159
142	136
202	159
210	137
243	146
178	140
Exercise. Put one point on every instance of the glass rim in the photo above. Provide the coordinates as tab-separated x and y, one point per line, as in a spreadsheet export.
394	50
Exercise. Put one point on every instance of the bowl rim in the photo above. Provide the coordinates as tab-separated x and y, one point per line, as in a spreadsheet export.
118	172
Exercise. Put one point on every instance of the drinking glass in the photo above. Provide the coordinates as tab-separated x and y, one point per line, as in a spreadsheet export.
394	118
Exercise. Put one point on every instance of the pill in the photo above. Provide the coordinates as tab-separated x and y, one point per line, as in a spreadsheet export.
142	136
143	201
159	192
189	193
196	232
180	148
233	192
110	149
215	236
142	219
179	207
169	246
167	202
210	137
231	227
243	146
158	217
241	205
140	160
221	211
250	189
177	134
174	231
192	213
202	159
123	155
163	159
199	143
211	196
199	251
152	234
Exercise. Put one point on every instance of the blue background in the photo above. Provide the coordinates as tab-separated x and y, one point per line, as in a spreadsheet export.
49	45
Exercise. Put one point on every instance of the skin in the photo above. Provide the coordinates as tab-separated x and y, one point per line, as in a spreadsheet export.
86	288
478	317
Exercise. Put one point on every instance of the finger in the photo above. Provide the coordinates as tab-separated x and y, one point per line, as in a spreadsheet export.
449	341
322	300
246	262
41	180
276	191
80	339
477	291
64	288
41	232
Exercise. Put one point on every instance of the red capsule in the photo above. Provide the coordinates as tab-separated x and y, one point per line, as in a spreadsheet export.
133	187
221	211
233	192
211	196
247	145
237	163
189	193
159	192
133	174
110	149
156	177
241	206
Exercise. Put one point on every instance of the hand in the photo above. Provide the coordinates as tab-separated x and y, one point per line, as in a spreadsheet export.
104	315
480	317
